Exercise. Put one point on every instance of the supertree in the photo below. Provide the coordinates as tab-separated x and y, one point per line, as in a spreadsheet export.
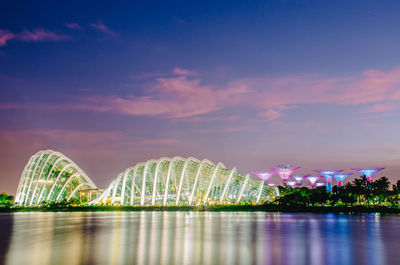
312	179
284	171
291	183
298	178
328	174
340	178
368	172
264	175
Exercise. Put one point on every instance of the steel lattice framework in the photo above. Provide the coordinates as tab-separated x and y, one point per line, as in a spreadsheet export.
50	176
183	181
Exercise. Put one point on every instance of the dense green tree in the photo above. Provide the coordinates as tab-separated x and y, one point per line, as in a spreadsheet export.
357	192
6	200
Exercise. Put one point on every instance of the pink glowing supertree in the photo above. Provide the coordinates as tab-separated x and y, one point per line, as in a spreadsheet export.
368	172
328	174
284	171
312	179
291	183
340	178
264	175
298	178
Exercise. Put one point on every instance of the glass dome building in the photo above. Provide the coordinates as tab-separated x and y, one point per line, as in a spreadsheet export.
183	181
50	176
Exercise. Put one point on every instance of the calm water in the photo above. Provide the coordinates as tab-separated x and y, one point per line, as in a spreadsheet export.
198	238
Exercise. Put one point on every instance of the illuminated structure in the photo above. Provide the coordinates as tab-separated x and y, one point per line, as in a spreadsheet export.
340	178
368	172
50	176
264	175
285	171
183	181
298	178
328	174
320	184
312	179
291	183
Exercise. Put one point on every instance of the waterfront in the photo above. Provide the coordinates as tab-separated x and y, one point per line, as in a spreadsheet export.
198	238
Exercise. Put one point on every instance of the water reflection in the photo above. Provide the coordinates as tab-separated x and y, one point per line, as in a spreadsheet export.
198	238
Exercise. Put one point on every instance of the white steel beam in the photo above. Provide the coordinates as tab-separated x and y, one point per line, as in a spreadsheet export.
181	181
58	177
244	185
227	184
195	182
211	182
144	184
259	193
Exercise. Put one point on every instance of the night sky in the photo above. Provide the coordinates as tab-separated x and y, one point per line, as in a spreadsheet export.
252	84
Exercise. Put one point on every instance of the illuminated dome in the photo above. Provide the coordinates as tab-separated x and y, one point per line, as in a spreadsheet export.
183	181
50	176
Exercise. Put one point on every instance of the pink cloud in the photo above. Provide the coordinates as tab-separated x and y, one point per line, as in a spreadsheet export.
176	97
376	90
383	107
36	35
173	97
102	27
272	114
5	36
183	94
41	34
73	25
186	72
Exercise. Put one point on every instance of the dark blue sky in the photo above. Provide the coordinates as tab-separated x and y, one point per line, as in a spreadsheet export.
248	83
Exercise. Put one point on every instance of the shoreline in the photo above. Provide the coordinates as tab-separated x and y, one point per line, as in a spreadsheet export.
215	208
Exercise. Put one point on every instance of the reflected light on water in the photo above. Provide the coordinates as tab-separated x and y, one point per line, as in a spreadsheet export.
197	238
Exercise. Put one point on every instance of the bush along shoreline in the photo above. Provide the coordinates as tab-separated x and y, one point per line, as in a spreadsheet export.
355	197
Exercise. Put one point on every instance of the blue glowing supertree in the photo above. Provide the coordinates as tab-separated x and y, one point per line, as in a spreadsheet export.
328	174
368	172
340	178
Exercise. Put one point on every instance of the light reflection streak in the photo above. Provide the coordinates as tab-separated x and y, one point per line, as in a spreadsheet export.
195	238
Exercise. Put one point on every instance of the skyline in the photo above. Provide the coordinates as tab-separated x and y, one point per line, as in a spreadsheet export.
251	85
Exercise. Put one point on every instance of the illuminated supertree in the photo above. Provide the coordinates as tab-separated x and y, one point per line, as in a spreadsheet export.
298	178
285	171
340	178
312	179
291	183
264	175
328	174
368	172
